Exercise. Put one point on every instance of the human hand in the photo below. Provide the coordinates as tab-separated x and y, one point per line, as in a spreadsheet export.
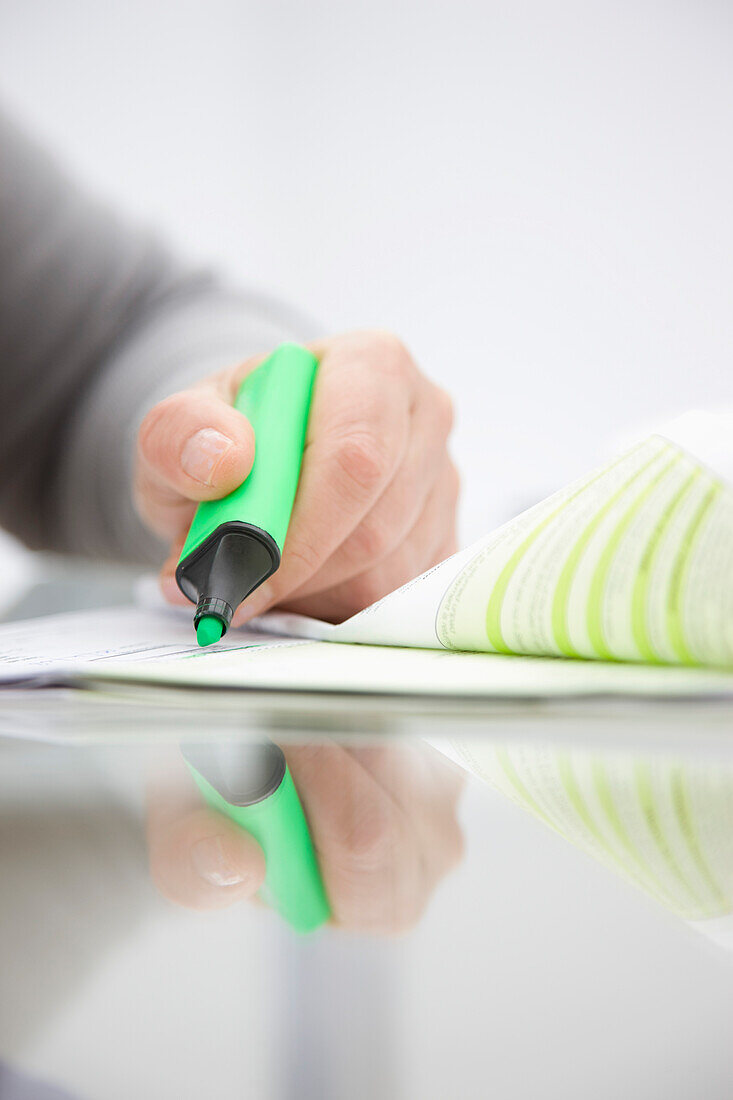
376	503
383	823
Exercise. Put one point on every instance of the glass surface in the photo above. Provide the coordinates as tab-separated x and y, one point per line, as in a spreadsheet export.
525	949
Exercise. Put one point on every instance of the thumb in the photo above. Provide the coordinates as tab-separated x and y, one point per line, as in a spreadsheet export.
192	446
203	861
198	858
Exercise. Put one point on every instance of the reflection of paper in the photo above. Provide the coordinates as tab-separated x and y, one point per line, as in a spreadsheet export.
633	563
666	827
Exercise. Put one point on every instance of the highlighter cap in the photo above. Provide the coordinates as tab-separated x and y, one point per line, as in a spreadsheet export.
225	568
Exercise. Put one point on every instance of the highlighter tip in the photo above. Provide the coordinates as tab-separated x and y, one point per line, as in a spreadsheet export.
208	630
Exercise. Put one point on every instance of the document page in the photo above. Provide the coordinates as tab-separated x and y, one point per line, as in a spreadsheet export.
158	647
57	645
298	665
632	563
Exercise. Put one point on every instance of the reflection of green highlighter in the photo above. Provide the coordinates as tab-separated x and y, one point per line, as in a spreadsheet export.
234	544
252	785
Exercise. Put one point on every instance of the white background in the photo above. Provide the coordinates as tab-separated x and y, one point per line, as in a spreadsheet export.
538	197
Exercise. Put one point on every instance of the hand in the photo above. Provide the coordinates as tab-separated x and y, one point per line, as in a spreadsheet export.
376	503
383	823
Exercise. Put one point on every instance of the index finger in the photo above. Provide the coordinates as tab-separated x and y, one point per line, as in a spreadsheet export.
358	433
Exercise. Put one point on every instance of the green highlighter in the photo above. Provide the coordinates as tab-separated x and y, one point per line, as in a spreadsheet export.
235	544
251	784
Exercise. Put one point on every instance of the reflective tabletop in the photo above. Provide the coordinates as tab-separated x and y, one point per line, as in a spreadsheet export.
580	928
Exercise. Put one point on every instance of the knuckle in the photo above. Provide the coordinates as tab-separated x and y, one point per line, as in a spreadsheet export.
371	541
363	461
391	356
302	559
388	344
372	840
312	755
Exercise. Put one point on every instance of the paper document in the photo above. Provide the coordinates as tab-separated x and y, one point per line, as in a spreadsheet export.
66	645
329	667
632	563
158	647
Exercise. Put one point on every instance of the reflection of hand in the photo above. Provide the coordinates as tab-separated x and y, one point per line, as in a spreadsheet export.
377	497
383	822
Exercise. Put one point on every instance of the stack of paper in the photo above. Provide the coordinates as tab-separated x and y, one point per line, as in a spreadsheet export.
625	579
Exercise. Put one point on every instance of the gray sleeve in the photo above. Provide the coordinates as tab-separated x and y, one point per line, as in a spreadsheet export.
97	323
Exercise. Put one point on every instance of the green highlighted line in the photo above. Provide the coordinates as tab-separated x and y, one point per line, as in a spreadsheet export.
605	797
594	620
567	576
675	628
521	792
496	599
646	801
605	850
639	597
681	803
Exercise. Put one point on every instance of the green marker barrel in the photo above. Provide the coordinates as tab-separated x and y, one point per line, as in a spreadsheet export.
234	544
